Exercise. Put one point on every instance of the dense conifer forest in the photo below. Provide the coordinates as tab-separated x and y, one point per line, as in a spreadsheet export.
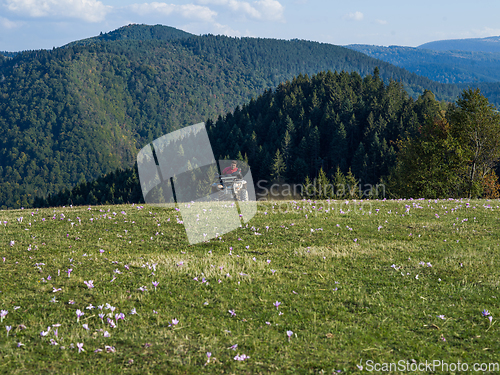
331	122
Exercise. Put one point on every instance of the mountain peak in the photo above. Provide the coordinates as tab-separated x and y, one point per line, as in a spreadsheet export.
138	32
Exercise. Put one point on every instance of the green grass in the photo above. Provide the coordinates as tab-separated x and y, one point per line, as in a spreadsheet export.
345	275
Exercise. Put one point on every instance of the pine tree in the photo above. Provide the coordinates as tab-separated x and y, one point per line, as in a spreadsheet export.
360	162
314	149
286	149
338	148
340	184
352	186
309	191
324	187
299	170
278	166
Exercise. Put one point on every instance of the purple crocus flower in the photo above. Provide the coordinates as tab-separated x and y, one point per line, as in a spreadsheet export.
79	314
241	357
45	333
485	312
276	304
119	316
90	284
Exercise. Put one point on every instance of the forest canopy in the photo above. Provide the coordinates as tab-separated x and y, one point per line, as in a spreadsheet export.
334	127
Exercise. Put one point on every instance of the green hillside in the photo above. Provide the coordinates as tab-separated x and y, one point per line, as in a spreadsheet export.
305	125
76	112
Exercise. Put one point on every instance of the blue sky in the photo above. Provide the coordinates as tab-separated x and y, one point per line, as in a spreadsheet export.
43	24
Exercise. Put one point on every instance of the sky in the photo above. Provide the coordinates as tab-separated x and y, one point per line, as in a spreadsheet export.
44	24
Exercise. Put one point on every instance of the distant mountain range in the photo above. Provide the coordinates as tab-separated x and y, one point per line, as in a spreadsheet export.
489	44
446	61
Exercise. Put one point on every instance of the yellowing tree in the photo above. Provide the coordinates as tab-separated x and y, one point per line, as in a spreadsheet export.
476	124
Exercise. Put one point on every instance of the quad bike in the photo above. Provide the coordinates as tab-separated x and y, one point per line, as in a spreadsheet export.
231	186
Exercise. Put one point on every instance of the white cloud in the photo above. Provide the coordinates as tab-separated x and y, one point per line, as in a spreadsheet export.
226	30
381	22
356	16
8	24
235	6
201	28
271	9
87	10
260	10
189	11
243	6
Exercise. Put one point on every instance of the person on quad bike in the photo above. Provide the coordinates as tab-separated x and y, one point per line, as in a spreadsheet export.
231	169
231	181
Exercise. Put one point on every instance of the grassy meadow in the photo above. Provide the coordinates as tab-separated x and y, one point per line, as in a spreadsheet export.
307	287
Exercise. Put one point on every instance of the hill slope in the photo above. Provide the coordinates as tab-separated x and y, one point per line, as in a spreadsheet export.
304	125
82	110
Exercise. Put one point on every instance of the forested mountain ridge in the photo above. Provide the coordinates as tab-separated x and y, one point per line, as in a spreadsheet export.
136	32
77	112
